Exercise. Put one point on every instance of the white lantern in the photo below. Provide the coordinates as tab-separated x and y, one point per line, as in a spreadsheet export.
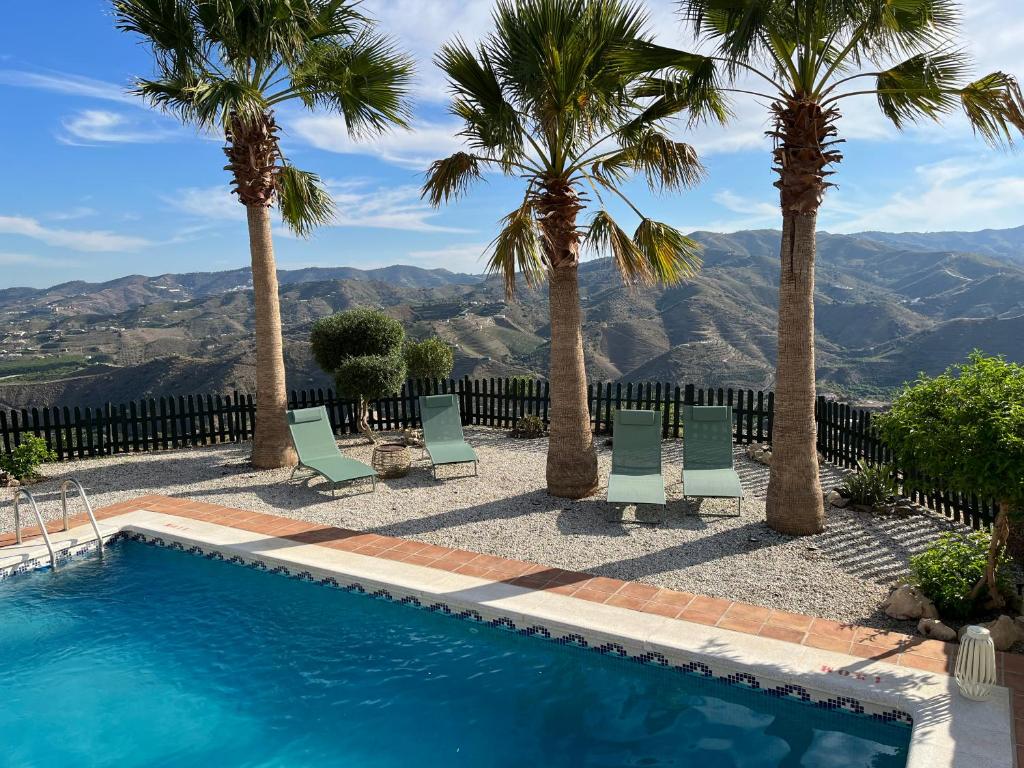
976	664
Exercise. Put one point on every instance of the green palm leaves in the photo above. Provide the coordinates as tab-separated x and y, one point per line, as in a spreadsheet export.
542	97
226	64
825	51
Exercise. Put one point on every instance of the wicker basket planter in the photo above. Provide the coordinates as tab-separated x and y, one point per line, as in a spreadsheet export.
391	460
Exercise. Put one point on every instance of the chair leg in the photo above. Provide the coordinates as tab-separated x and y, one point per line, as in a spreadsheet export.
476	469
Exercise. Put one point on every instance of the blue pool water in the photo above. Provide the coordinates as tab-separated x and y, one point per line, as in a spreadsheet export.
152	657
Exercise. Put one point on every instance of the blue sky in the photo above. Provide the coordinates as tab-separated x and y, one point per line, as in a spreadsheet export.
98	186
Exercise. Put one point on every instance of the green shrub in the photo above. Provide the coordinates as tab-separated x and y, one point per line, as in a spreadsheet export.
370	376
948	570
429	359
362	350
354	333
870	485
530	427
23	462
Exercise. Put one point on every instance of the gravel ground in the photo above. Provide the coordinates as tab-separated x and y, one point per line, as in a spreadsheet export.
842	574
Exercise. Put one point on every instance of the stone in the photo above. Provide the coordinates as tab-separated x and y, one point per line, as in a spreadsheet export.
1005	632
936	630
904	509
908	602
836	499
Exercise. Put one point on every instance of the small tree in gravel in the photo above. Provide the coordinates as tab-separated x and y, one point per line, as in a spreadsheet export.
362	350
431	358
966	427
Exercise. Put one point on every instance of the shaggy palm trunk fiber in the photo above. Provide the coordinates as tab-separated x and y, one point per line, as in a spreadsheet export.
253	152
804	135
794	502
572	460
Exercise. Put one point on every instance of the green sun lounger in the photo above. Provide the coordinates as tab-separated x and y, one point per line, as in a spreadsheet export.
707	454
636	459
442	432
314	442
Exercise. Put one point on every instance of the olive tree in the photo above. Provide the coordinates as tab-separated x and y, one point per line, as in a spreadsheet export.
966	427
431	358
362	350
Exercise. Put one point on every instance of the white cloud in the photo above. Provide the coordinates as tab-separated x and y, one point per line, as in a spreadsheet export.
101	126
963	193
357	204
64	82
463	257
76	240
28	259
78	212
416	148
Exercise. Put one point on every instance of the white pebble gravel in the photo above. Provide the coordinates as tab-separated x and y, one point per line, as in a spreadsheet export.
841	574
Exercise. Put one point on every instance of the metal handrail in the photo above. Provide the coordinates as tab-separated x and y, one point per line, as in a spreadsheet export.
88	508
39	517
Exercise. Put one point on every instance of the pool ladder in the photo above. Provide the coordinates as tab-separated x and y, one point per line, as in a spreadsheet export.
64	507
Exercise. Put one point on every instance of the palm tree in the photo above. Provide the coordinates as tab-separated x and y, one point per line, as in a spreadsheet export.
226	65
540	99
803	59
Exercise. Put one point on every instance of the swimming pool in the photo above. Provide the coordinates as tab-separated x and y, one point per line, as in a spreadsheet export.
151	656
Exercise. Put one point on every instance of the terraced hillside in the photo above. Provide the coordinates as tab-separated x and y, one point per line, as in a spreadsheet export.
887	308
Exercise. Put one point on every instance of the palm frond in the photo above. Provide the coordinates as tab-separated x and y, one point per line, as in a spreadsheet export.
666	164
697	93
906	26
449	178
995	107
170	28
606	237
671	256
304	202
366	80
491	122
921	86
517	248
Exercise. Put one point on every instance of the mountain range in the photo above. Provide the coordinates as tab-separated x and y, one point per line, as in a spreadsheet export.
888	306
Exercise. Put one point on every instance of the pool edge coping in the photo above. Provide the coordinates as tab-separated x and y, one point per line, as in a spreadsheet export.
947	731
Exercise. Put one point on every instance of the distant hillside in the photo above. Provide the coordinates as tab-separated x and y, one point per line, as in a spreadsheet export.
884	312
1004	243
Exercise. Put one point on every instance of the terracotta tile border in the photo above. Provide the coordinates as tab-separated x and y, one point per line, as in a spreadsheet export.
865	642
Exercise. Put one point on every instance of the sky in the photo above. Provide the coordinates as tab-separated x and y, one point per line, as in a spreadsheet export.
100	186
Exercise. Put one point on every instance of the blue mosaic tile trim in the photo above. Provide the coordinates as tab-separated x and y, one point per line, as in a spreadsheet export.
788	691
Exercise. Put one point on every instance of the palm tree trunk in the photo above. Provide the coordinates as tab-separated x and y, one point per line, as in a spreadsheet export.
794	504
572	460
272	446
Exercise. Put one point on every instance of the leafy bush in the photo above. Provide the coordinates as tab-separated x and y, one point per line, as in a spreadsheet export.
354	333
361	348
529	427
966	428
370	376
870	485
429	359
23	462
948	570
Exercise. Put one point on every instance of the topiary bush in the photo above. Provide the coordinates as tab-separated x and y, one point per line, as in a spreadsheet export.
370	376
431	358
25	459
947	571
354	333
362	350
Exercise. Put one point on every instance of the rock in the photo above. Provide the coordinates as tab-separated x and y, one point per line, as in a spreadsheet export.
907	602
1005	632
413	437
836	499
936	630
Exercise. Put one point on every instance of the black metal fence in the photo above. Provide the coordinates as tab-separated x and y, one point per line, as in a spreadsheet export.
845	434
